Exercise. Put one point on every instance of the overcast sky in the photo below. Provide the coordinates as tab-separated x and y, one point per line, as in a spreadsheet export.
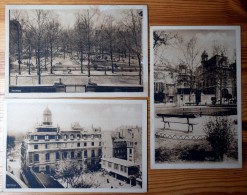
205	40
22	117
67	17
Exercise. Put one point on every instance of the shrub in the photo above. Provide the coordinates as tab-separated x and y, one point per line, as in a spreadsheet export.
194	152
219	134
162	154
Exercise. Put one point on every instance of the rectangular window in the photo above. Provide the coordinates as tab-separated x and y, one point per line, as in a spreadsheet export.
57	156
85	143
99	152
46	146
130	150
93	153
78	144
47	137
30	158
65	155
99	143
35	137
36	146
92	143
116	166
125	169
85	153
72	155
47	157
56	137
121	167
36	158
109	164
79	155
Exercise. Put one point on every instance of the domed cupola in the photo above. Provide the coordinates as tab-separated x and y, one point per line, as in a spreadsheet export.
47	117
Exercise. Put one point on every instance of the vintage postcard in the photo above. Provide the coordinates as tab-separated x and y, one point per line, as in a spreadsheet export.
76	51
75	146
195	97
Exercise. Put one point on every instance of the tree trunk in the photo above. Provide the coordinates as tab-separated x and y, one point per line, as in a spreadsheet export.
140	69
51	48
81	58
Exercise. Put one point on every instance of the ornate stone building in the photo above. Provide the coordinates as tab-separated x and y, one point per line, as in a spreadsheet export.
47	145
216	80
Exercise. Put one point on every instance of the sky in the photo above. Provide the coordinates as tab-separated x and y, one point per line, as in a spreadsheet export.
205	39
67	17
23	117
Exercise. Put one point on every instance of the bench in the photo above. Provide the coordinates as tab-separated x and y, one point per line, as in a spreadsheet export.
190	125
187	116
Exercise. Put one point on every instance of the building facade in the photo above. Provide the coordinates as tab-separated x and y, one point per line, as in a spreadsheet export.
47	145
125	161
217	80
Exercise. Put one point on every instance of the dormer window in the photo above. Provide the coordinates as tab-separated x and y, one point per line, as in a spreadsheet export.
71	136
65	137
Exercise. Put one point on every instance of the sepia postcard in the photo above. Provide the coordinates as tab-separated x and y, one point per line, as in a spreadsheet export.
75	146
195	97
76	51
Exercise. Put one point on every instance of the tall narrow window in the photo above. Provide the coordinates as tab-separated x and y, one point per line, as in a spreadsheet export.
36	157
57	156
65	154
93	153
47	157
36	146
72	155
85	153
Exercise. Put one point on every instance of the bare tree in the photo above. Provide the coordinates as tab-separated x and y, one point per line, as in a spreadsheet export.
69	171
38	25
190	58
110	35
53	32
131	32
80	33
87	21
162	38
16	35
218	49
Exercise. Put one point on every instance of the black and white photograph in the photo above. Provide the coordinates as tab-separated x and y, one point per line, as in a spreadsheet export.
76	51
195	97
75	146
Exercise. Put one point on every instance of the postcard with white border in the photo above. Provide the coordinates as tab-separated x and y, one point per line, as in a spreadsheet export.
76	51
75	146
195	97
